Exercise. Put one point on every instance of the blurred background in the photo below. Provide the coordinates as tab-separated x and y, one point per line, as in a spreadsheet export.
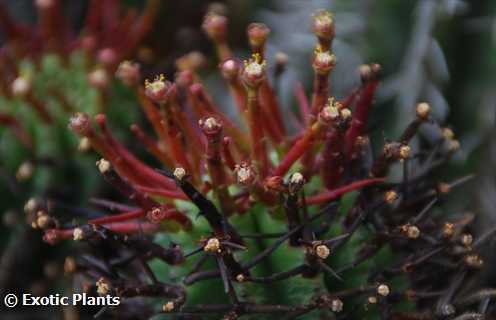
442	52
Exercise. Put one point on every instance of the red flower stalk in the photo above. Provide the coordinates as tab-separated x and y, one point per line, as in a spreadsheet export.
215	26
212	129
253	75
204	107
227	154
154	147
328	115
323	28
369	75
330	195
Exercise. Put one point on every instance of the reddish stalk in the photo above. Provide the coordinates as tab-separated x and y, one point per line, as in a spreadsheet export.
258	143
361	113
331	195
333	165
154	147
302	102
120	217
162	192
298	149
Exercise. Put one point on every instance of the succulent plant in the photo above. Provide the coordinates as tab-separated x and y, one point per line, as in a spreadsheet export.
255	219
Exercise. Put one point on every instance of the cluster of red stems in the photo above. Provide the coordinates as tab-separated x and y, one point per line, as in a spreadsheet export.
54	34
204	151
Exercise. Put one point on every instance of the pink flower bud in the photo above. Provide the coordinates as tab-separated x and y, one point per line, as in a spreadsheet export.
129	73
323	61
230	69
99	78
254	71
158	90
215	26
323	25
257	34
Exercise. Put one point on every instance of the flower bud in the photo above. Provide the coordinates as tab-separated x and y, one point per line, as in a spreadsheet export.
383	290
215	26
21	86
99	78
323	61
230	69
193	60
254	71
257	35
179	173
245	173
323	25
107	56
369	72
210	126
129	73
423	110
336	305
212	245
80	123
158	90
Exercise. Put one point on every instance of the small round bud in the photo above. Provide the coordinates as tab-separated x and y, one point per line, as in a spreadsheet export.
158	90
345	113
230	69
322	251
78	234
103	165
107	56
21	86
390	196
404	152
413	232
129	73
448	230
240	277
70	265
443	188
179	173
25	171
296	182
330	112
369	72
84	144
43	220
156	215
31	205
474	261
210	126
102	287
383	290
245	173
253	73
423	110
448	134
215	26
336	305
99	78
466	239
323	25
193	61
79	123
212	245
323	61
281	58
372	300
168	307
257	35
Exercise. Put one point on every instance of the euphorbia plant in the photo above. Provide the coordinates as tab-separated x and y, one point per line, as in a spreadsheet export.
302	224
